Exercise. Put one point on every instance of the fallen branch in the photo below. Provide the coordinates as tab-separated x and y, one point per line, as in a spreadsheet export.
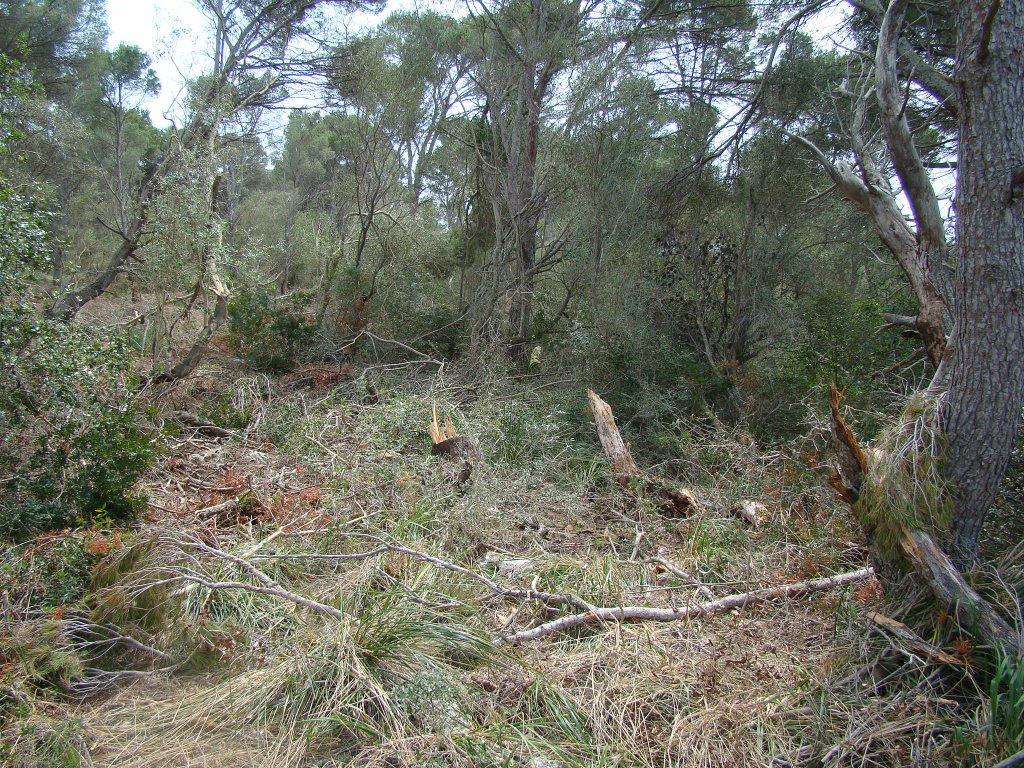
103	636
901	631
98	681
972	611
645	613
1013	761
266	586
200	425
685	575
551	598
216	509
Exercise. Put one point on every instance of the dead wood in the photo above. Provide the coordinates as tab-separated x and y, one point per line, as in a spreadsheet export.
615	450
848	477
1013	761
675	501
751	512
217	509
200	425
450	444
904	633
972	611
682	573
319	376
646	613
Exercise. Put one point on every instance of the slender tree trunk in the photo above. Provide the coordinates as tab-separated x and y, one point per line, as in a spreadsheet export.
986	355
526	221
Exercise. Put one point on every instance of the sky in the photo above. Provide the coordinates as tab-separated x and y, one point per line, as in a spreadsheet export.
174	34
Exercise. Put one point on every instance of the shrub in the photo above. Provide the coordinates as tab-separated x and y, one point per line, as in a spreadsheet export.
70	449
269	336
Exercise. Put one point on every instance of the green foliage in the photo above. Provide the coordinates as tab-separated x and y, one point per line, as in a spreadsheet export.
840	344
905	486
1006	703
652	382
50	575
13	86
127	73
94	460
71	450
270	336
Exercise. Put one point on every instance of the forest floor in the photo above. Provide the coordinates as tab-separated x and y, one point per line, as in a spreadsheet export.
306	591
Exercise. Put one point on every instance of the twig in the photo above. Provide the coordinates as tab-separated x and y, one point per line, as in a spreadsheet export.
216	509
680	573
497	589
267	585
646	613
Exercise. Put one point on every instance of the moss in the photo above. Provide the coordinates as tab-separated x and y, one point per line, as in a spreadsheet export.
906	486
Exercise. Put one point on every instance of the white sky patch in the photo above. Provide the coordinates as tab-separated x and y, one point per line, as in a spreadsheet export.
173	33
176	36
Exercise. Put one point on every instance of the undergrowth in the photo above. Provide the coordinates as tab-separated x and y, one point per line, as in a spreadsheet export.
394	660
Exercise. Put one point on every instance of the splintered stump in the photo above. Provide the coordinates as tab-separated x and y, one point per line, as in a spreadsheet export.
932	564
450	444
675	501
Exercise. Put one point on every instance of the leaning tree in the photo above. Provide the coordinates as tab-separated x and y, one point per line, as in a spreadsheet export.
969	288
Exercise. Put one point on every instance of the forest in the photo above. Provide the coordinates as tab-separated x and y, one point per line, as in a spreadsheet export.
513	384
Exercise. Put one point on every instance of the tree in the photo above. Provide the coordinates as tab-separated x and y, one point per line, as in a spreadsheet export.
977	390
126	80
525	46
249	70
985	358
55	40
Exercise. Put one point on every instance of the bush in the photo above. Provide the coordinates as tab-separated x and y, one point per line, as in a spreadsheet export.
269	336
841	345
70	450
653	382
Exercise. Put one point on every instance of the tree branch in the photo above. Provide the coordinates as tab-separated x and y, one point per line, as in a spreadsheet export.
645	613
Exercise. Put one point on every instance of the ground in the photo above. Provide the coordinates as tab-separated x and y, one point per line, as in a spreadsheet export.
397	659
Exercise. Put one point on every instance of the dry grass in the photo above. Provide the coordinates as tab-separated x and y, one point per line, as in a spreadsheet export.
412	675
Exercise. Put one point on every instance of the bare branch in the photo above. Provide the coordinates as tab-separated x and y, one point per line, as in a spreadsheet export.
645	613
899	139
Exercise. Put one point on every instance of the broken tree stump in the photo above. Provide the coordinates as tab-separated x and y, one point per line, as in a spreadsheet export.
445	441
675	501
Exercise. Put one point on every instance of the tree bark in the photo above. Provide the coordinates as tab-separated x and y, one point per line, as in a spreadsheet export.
986	358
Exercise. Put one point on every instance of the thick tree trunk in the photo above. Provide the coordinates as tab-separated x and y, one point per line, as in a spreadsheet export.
986	357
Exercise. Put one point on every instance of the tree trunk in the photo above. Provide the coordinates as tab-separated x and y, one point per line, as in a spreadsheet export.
986	356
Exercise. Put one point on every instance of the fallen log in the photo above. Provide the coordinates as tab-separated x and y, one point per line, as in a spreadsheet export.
675	501
200	425
645	613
